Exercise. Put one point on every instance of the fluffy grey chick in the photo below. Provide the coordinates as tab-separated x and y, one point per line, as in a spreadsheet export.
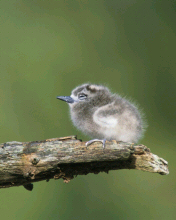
103	115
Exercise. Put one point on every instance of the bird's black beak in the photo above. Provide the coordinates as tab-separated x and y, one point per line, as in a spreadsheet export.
67	99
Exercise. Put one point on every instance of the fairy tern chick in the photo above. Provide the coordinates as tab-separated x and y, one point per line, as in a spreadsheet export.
100	114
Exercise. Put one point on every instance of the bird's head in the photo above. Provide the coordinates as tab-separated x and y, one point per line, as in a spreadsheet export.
88	95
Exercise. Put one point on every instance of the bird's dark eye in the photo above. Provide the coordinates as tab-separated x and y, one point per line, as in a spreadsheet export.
82	96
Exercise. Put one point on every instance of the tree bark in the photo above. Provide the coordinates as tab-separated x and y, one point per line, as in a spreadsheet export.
22	163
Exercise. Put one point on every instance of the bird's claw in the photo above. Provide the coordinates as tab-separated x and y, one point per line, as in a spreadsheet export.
96	140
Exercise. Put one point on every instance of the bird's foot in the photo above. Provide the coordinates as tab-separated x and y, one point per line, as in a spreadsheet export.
95	140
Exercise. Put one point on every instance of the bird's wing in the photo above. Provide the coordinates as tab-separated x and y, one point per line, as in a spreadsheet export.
106	116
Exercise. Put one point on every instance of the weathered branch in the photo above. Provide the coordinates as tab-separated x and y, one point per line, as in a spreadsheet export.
67	157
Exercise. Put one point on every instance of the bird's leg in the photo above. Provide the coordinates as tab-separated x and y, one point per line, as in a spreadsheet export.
95	140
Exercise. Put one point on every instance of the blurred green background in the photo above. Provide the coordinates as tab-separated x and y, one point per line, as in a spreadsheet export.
48	48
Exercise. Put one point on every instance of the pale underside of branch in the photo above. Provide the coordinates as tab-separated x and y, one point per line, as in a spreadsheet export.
22	163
